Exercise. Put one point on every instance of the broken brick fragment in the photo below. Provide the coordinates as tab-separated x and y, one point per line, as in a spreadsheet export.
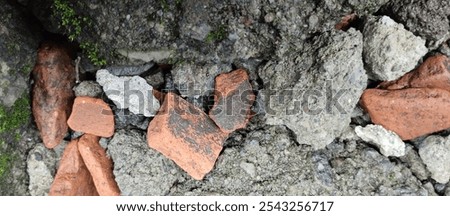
233	99
410	112
346	22
434	72
185	134
99	165
54	78
92	116
73	177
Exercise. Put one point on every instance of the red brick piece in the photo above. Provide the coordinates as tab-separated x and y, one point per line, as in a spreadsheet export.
185	134
233	100
92	116
99	165
54	78
432	73
411	112
345	22
73	177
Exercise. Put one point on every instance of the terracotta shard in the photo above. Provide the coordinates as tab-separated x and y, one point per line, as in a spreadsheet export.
432	73
345	22
73	177
92	116
411	112
185	134
233	100
54	78
99	165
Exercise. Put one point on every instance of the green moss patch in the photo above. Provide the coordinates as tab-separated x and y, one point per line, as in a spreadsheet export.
217	35
16	116
5	161
73	24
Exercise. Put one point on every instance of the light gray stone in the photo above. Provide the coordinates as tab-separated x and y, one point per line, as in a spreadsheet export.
88	88
389	143
315	90
390	50
139	170
133	93
435	153
41	164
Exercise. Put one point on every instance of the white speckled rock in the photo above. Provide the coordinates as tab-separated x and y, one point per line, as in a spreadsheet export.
133	93
41	166
435	153
390	50
387	141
